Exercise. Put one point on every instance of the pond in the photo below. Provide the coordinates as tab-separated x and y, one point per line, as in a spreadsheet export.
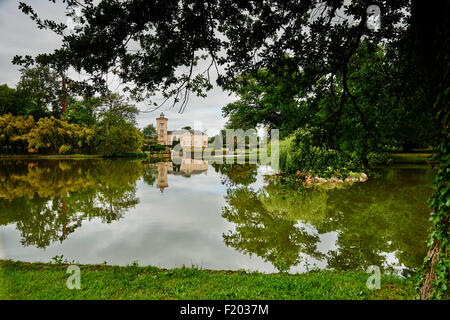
212	216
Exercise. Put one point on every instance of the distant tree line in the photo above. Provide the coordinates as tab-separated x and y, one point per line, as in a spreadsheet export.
32	119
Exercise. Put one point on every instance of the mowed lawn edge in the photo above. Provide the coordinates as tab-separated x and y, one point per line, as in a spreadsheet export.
23	280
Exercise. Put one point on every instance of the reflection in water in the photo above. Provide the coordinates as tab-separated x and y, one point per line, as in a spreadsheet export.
49	199
184	166
236	174
372	220
265	232
381	222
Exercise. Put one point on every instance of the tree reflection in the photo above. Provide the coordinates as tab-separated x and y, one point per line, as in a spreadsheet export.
380	222
49	199
236	174
382	216
267	233
385	215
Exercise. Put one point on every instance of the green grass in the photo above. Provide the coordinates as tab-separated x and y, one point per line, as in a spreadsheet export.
20	280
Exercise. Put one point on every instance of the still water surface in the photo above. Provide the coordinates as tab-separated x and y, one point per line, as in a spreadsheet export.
208	215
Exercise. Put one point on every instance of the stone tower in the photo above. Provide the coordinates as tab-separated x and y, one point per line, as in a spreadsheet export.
161	129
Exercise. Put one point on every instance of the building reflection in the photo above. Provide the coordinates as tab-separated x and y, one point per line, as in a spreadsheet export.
181	166
163	168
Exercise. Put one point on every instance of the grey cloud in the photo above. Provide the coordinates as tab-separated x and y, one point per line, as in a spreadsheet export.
19	35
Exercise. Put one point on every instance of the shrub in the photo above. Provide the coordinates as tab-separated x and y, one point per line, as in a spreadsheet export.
379	158
12	132
50	134
299	152
158	147
115	141
134	154
65	149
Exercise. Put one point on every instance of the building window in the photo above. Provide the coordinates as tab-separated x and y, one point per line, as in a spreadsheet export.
161	131
161	124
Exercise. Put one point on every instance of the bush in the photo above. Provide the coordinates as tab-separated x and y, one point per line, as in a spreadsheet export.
299	153
134	154
65	149
12	133
157	147
115	141
378	158
50	134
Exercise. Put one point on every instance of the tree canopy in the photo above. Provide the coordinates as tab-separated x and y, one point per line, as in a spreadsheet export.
150	136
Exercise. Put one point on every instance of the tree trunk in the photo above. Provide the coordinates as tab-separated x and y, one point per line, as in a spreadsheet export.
64	96
430	273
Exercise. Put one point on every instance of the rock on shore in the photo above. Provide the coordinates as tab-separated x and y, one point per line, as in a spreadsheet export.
309	179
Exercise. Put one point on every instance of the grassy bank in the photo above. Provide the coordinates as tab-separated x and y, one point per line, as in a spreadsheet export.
82	156
49	156
20	280
411	158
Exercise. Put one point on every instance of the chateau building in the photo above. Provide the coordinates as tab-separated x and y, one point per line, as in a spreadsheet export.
186	138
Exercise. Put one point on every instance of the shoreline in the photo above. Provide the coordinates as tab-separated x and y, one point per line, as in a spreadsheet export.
51	156
412	158
25	280
396	158
80	156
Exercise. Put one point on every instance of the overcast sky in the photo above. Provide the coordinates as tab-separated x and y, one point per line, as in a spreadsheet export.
19	35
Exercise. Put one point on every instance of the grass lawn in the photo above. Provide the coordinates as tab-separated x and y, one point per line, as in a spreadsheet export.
21	280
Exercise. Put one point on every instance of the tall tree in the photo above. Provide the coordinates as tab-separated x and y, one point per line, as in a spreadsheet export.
117	133
150	136
11	101
82	111
42	88
273	98
115	110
